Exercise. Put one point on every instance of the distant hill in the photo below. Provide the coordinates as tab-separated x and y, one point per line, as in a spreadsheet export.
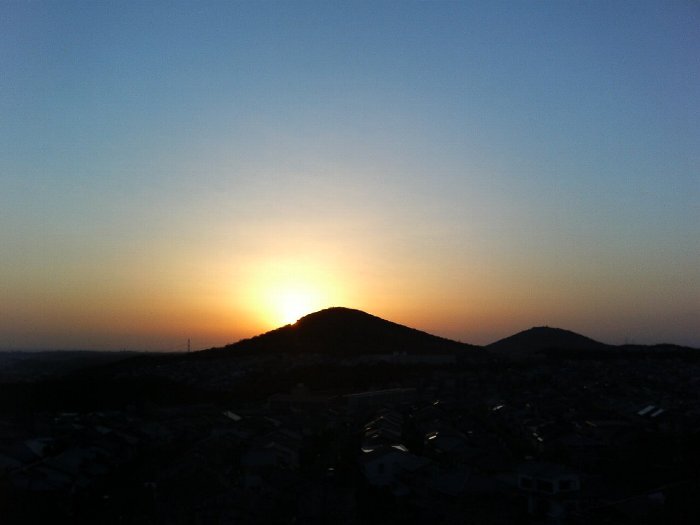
273	362
32	366
342	332
543	338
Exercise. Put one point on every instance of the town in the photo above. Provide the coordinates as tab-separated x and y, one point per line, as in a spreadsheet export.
551	437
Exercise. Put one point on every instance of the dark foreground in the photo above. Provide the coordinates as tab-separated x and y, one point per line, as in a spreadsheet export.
551	438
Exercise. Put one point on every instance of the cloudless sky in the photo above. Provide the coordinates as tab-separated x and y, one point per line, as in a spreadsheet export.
204	170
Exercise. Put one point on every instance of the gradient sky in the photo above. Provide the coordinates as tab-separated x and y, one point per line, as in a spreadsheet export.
174	170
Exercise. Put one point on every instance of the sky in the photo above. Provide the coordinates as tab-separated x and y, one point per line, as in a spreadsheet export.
213	170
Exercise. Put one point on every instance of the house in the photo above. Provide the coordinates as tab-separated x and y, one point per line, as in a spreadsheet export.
552	490
384	430
384	466
276	450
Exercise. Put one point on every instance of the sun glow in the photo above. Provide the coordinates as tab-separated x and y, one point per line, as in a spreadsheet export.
293	303
283	291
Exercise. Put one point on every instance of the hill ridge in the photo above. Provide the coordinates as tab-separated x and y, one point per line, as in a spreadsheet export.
345	331
540	338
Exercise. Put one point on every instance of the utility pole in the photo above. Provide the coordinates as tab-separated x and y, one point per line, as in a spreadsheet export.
188	345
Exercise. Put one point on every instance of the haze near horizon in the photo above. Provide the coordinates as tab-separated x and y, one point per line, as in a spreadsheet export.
211	171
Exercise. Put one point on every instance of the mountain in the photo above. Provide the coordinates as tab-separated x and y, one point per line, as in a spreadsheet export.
344	331
541	338
273	362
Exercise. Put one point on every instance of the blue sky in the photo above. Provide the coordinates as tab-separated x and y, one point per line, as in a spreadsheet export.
468	168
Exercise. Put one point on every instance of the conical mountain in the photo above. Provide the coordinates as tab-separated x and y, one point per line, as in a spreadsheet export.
542	338
345	331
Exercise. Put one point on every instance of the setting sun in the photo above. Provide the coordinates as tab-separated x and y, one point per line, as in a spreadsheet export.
282	291
291	304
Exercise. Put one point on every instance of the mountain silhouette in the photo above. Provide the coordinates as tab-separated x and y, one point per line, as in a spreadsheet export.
260	366
541	338
345	331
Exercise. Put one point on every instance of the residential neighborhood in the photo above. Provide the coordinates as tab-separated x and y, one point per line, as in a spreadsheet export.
542	440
